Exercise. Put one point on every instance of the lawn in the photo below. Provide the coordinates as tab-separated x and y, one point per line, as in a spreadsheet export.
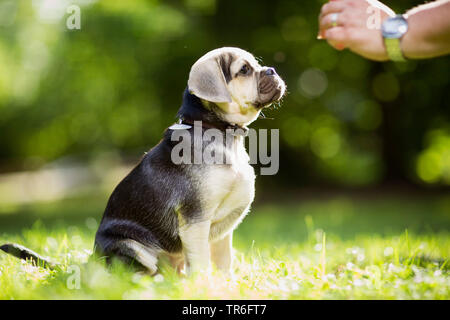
335	247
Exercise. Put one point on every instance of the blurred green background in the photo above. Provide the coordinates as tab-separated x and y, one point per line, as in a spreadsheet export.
91	101
364	146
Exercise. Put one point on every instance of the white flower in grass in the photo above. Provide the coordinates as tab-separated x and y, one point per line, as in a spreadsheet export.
158	278
284	285
388	251
418	278
136	278
295	286
393	268
350	265
80	255
330	277
358	283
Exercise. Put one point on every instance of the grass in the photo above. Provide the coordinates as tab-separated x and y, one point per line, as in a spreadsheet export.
334	248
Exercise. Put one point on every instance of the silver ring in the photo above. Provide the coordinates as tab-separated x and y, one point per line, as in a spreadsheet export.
334	19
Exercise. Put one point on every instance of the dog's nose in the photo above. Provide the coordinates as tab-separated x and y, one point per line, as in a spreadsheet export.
270	72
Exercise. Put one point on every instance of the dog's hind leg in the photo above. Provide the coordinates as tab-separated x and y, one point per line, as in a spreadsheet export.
135	253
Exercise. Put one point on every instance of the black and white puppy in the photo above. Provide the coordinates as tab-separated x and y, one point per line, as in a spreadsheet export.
188	211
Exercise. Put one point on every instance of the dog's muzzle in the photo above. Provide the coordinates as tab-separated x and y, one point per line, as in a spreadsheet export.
271	87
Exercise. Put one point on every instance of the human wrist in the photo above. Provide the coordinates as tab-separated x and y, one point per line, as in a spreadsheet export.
408	43
393	30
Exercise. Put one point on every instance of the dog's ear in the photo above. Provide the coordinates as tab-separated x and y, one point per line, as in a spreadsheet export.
207	81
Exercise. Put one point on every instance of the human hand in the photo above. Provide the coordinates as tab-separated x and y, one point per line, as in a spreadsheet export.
357	26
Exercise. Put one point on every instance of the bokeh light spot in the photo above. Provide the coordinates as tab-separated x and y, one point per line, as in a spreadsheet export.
325	142
433	163
312	83
385	87
429	166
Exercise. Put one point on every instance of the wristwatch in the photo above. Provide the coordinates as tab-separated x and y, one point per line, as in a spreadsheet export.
393	29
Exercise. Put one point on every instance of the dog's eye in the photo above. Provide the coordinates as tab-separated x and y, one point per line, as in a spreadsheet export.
244	70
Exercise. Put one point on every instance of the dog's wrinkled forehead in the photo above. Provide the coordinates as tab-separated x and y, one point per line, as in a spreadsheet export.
229	55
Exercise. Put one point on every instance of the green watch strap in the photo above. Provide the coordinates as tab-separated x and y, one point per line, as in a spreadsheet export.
394	50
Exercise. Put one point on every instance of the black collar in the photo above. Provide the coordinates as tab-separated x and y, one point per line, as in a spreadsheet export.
192	110
209	125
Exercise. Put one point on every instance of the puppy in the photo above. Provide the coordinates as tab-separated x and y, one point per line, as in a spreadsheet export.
188	211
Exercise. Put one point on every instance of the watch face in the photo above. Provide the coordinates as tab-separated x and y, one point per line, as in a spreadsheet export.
394	27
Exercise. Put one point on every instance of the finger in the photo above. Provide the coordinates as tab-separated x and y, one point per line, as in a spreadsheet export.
337	34
330	7
337	37
327	21
337	46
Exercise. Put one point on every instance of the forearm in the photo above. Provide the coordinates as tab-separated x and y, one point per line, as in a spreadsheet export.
428	31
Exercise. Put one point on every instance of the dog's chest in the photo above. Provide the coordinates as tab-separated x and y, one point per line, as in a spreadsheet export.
228	190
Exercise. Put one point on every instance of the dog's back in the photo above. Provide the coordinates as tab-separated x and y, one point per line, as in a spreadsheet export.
141	214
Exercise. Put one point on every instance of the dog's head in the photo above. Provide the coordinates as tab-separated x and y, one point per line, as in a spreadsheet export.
232	80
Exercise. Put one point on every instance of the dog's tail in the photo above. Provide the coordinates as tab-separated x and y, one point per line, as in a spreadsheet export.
26	254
